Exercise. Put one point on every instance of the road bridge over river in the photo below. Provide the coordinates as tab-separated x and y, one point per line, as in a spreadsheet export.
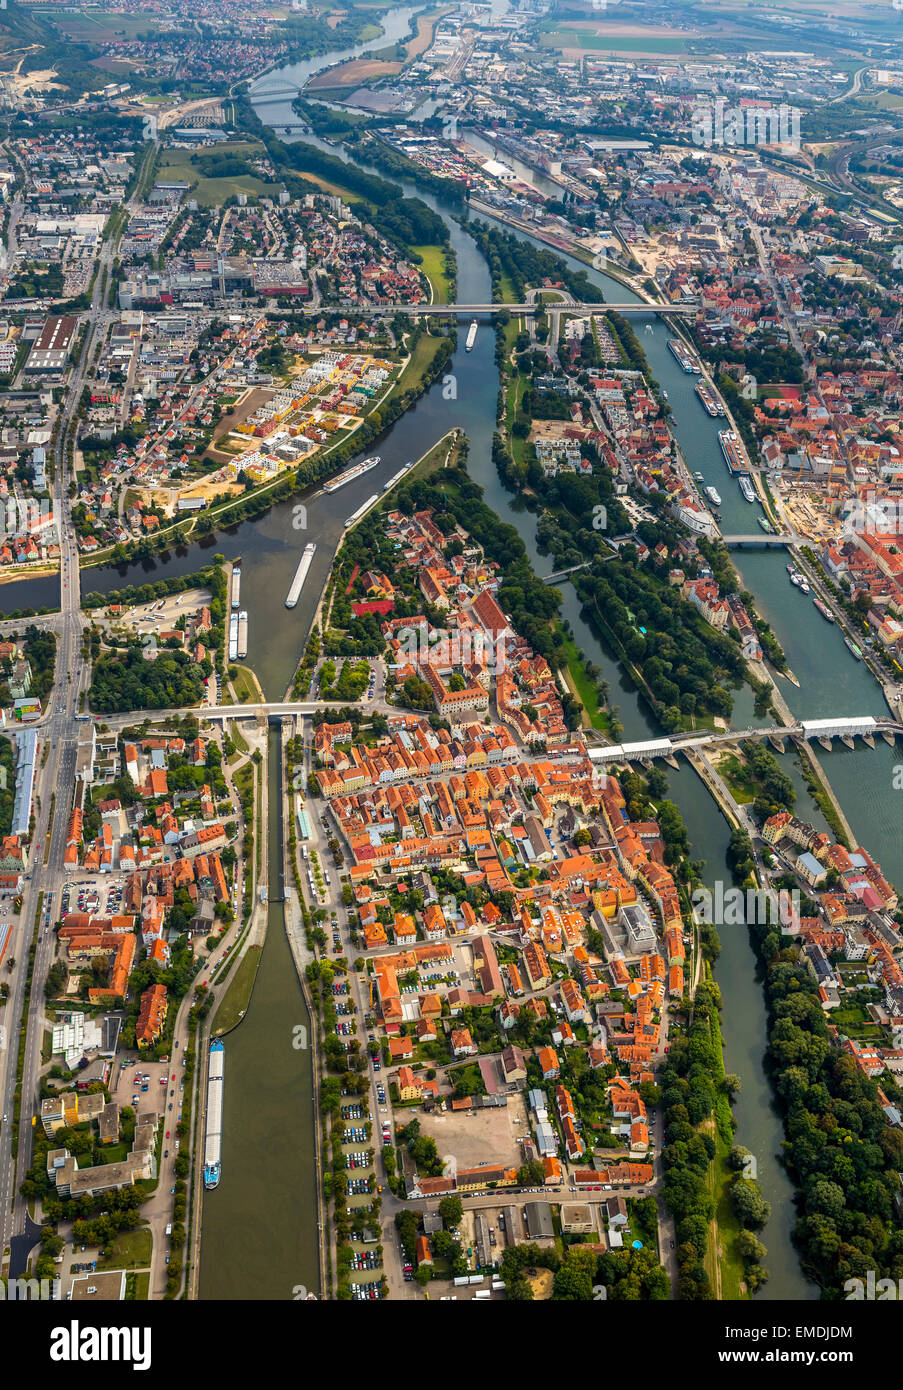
636	310
845	727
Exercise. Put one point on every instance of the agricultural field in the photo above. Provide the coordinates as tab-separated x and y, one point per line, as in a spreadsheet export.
583	36
104	26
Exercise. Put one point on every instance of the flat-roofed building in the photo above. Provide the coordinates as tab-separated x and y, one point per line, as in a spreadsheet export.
50	353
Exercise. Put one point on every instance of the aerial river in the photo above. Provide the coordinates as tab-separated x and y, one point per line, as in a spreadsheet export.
263	1212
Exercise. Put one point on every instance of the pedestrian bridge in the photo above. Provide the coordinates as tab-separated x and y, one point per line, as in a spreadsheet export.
563	574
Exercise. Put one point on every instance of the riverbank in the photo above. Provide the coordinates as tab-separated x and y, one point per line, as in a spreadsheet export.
12	574
418	369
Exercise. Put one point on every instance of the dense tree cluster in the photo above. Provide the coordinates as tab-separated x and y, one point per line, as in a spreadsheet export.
776	789
627	1275
127	681
692	1089
687	666
843	1156
522	264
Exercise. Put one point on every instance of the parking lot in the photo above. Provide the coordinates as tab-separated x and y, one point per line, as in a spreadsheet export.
163	613
99	895
153	1095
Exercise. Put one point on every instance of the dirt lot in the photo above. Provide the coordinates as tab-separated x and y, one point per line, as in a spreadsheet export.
354	73
479	1136
243	407
164	499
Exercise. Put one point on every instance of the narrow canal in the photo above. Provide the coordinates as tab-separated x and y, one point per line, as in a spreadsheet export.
261	1219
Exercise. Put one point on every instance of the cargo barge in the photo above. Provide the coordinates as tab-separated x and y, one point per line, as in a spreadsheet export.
365	506
397	477
297	584
242	650
213	1142
236	585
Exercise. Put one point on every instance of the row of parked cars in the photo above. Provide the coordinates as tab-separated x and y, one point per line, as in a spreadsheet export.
364	1292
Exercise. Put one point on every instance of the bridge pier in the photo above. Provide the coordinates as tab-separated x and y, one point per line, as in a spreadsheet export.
888	735
869	739
825	742
848	740
776	743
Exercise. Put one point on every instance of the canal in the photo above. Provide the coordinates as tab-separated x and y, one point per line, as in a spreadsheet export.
260	1224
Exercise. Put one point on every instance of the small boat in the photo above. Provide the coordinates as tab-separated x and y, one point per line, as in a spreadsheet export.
796	579
700	477
824	610
747	488
765	524
851	646
804	585
713	496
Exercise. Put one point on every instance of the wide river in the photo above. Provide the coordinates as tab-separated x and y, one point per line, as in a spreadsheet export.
262	1216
